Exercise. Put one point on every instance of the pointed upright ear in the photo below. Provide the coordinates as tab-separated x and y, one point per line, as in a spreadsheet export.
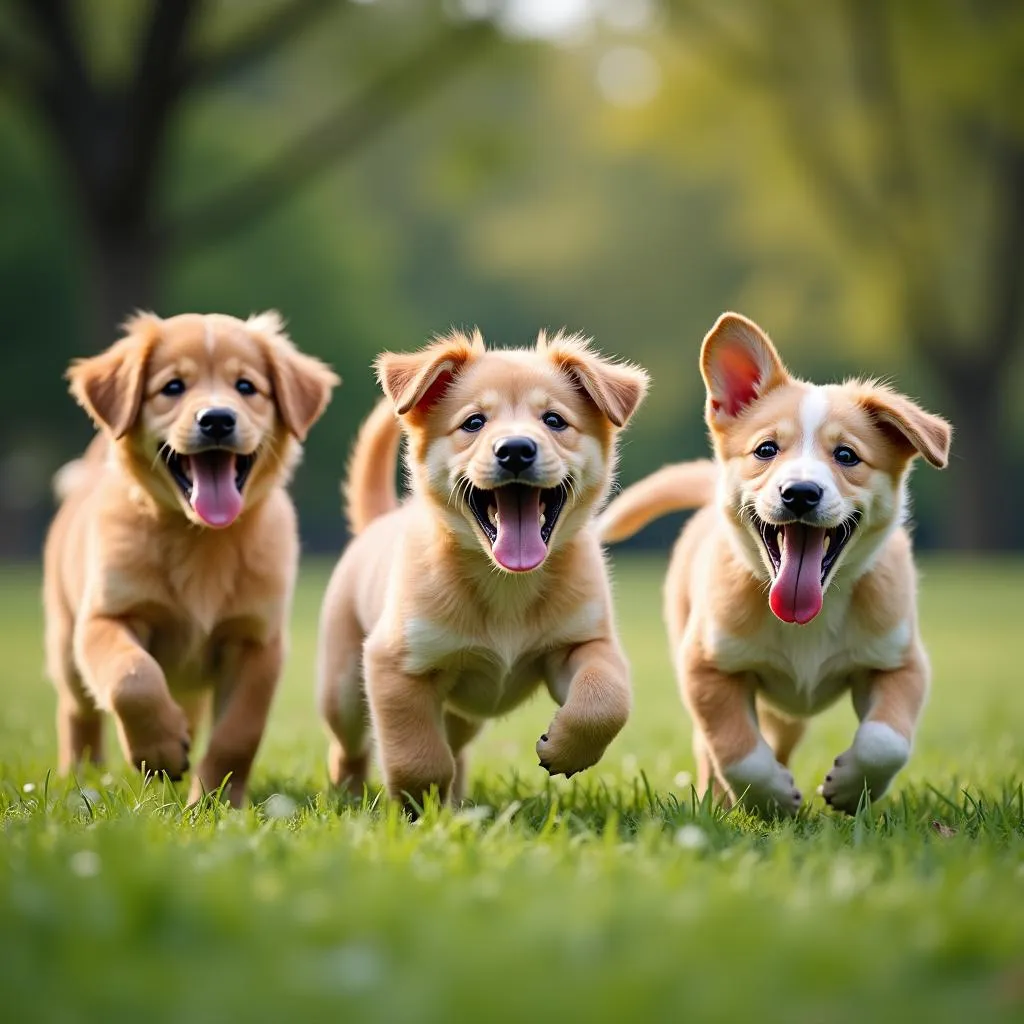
617	389
302	384
739	364
110	386
418	380
908	425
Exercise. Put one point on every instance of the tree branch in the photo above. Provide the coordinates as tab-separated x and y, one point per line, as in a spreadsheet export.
336	136
63	94
19	69
767	58
154	88
52	24
897	181
257	43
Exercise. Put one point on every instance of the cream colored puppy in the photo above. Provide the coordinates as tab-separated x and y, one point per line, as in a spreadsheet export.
170	564
453	606
797	585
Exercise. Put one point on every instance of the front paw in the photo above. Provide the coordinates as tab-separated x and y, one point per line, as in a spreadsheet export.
764	786
877	754
570	746
157	740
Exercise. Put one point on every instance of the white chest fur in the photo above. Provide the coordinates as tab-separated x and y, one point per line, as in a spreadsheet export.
802	669
487	675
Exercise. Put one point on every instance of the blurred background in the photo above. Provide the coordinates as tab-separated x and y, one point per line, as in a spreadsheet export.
849	173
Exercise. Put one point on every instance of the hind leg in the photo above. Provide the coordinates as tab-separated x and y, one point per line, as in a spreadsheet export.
341	694
79	732
460	732
707	777
79	722
781	732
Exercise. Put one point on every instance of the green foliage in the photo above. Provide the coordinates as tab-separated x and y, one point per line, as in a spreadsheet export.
854	198
613	897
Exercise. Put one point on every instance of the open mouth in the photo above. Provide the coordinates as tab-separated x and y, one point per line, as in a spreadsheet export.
802	556
212	481
518	520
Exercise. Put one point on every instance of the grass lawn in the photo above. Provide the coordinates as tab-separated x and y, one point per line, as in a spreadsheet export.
610	897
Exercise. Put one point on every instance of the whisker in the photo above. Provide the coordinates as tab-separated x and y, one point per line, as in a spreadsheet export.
161	453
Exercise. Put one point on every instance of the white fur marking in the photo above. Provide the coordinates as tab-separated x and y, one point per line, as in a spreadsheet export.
879	747
762	782
208	336
807	464
877	754
428	644
758	768
814	409
888	651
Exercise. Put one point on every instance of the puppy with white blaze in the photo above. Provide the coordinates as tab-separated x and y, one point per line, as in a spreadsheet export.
453	606
795	582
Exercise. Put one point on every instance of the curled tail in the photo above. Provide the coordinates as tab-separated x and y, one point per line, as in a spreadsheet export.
78	471
370	489
674	488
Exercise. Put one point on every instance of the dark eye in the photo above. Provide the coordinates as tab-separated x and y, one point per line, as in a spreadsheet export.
474	423
553	421
846	456
766	451
173	388
245	387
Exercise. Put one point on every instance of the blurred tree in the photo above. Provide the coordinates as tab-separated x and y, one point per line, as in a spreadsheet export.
111	122
904	123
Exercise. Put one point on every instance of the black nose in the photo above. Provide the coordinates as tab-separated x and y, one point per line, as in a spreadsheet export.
515	453
801	496
215	424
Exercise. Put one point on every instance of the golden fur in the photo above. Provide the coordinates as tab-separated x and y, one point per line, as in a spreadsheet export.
425	633
747	672
149	610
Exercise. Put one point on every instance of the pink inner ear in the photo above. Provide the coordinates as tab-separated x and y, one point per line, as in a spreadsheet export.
737	375
435	392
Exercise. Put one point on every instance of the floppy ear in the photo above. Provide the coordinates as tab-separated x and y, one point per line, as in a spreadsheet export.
738	364
302	384
909	426
418	380
109	386
617	389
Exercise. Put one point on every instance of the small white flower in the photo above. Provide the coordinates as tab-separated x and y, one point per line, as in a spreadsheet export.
85	864
279	806
474	815
684	780
691	837
29	787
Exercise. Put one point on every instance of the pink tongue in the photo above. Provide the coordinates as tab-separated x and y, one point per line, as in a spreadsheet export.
215	497
796	592
519	546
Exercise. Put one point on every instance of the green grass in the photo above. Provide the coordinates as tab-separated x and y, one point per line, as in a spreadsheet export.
611	897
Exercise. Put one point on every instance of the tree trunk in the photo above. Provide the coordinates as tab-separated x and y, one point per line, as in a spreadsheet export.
984	485
124	266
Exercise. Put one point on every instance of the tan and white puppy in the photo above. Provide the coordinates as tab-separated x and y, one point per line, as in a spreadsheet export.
170	564
453	606
810	511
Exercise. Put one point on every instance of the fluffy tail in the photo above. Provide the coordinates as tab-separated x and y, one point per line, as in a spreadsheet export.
73	474
370	488
673	488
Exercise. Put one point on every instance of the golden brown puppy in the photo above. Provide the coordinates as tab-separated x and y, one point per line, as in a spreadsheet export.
454	606
811	498
170	564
